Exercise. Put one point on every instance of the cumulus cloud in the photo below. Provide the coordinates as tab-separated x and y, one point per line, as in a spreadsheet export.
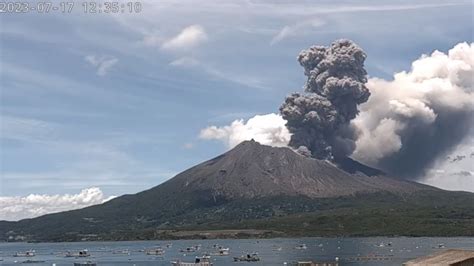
421	115
102	63
266	129
34	205
189	37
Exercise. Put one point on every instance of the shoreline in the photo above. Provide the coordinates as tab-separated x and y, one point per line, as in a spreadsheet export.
227	234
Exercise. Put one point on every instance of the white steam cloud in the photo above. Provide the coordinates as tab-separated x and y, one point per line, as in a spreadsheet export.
420	115
266	129
34	205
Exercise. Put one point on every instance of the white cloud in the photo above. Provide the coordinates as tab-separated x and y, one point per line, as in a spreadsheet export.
189	37
102	63
438	85
266	129
298	28
34	205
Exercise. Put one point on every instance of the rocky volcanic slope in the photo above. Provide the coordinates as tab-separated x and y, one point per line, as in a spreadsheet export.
261	187
252	170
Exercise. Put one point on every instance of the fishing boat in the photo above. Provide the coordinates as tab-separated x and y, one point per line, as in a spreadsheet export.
250	257
29	253
155	252
199	261
221	251
81	254
122	252
301	246
33	261
190	249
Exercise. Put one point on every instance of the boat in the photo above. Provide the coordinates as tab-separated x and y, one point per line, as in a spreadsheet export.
199	261
86	263
169	245
301	246
222	251
29	253
155	252
122	252
190	249
312	263
33	261
81	254
249	257
277	248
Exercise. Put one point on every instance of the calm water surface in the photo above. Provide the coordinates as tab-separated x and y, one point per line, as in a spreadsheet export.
350	251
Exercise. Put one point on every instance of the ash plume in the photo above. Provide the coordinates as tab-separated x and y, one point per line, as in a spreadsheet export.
319	119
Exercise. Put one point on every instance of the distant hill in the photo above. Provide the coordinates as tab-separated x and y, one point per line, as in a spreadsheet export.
273	190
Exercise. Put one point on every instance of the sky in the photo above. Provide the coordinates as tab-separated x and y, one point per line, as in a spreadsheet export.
99	105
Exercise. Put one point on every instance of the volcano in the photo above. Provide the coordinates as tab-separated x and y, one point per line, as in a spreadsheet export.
252	170
259	187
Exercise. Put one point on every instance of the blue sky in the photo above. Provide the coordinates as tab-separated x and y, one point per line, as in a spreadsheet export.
118	101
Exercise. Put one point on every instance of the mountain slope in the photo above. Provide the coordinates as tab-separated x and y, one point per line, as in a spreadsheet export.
257	186
252	170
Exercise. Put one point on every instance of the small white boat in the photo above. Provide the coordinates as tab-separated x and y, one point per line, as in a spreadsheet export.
221	251
155	252
29	253
122	252
81	254
199	261
301	246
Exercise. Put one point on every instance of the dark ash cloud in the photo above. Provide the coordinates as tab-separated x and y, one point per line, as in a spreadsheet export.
319	119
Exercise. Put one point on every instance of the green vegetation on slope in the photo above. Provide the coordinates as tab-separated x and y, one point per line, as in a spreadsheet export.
427	213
